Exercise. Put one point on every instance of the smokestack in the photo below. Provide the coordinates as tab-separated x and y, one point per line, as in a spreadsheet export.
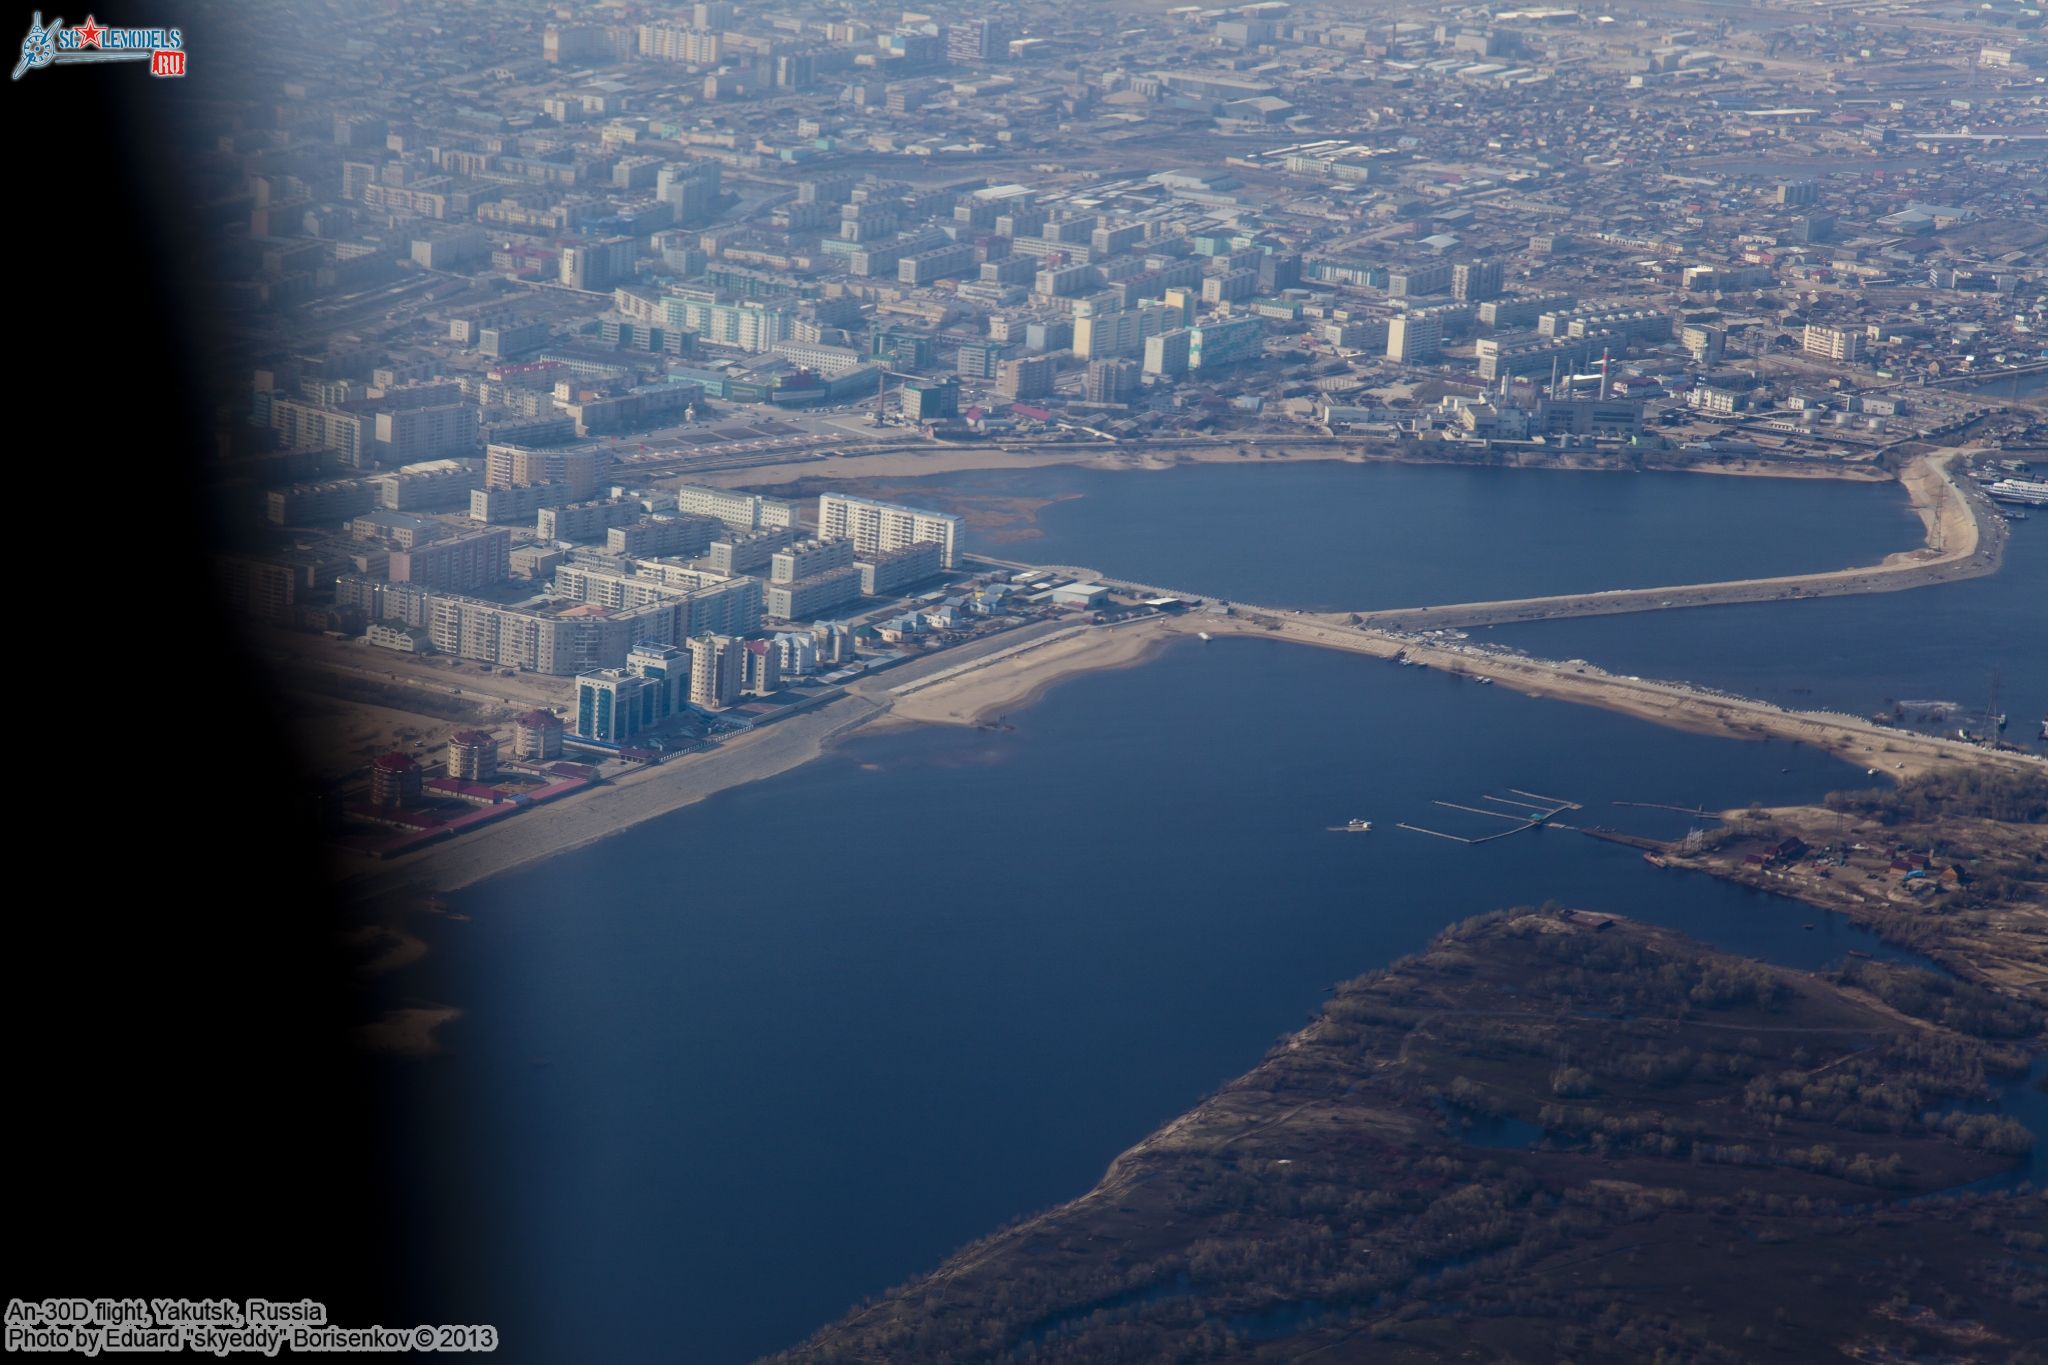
1603	373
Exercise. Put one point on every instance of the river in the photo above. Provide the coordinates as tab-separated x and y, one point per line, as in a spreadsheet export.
727	1073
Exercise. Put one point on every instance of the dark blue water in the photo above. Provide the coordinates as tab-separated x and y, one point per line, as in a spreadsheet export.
1330	536
727	1073
1856	654
1336	536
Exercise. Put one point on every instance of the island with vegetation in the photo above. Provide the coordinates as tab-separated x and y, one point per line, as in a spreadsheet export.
1552	1135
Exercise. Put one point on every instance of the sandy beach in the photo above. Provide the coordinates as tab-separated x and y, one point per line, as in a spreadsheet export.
1017	678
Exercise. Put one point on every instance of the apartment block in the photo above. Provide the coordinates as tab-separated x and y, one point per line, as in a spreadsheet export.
874	527
456	564
892	570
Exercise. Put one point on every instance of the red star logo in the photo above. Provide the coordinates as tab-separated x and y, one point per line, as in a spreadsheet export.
88	32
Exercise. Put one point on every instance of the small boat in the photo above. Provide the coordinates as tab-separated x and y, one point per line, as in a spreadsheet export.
1358	827
1204	636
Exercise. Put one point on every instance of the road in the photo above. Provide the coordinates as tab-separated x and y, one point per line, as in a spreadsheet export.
1966	539
1682	706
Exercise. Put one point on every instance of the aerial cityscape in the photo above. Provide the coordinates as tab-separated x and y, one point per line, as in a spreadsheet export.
1136	682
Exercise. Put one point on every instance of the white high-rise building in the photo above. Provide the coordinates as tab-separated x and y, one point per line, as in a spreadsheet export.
672	43
751	326
715	671
1834	343
875	527
1415	338
743	512
1167	353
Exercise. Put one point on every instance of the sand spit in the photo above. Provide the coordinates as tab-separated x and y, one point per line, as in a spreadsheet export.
1015	678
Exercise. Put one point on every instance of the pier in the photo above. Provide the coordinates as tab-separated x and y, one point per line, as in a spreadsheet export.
1699	812
1615	836
1521	819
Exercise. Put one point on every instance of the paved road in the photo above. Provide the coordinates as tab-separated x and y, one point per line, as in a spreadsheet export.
1976	558
1983	557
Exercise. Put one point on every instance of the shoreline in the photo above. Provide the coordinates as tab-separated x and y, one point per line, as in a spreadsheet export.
617	806
1963	540
2002	946
1016	676
1019	678
649	793
1346	1115
1012	672
1151	457
1675	705
973	697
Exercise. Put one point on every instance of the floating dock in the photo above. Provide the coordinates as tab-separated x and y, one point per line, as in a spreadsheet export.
1522	818
1557	801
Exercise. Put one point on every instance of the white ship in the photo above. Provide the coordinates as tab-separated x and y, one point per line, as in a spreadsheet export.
1358	827
2024	492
